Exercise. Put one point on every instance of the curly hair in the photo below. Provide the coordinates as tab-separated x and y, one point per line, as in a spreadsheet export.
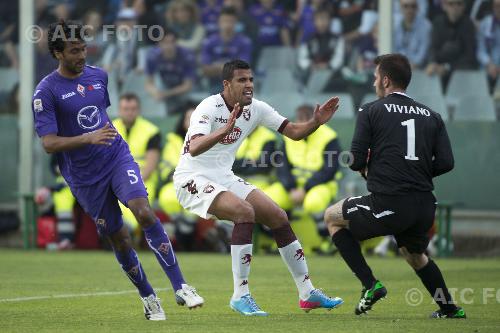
64	31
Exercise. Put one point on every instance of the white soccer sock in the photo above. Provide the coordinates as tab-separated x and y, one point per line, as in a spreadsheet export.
241	256
294	258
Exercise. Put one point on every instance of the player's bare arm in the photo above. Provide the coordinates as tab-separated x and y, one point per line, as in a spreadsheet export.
201	143
322	114
55	144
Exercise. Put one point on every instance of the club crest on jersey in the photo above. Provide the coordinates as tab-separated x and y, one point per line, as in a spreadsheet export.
80	89
164	247
231	137
208	189
89	117
246	114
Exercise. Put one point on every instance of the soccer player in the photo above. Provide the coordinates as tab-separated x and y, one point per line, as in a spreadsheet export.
206	185
399	145
69	107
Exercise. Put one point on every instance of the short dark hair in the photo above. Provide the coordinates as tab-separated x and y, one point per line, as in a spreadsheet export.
396	67
64	31
231	66
131	96
228	10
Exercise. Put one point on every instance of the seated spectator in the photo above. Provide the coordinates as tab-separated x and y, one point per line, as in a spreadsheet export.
273	24
222	47
175	66
453	44
9	34
120	56
246	24
182	17
420	11
96	44
306	18
144	141
412	34
324	50
210	10
488	52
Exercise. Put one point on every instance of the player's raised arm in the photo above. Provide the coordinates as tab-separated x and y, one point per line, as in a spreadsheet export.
53	143
200	143
323	113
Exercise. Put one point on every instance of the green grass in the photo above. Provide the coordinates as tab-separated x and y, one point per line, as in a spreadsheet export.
38	273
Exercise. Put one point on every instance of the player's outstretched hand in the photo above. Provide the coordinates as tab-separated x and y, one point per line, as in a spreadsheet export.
232	119
102	136
324	112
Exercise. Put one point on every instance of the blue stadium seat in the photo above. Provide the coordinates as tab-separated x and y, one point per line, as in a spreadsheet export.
317	81
423	84
279	80
474	107
273	57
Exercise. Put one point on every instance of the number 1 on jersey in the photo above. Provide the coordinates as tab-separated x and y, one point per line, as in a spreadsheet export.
410	131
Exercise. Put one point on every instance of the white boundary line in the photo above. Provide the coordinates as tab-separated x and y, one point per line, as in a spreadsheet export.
102	293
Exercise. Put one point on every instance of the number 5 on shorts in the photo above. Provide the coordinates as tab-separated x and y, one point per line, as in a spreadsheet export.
133	176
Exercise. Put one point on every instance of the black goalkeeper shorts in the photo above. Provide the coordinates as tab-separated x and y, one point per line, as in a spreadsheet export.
408	217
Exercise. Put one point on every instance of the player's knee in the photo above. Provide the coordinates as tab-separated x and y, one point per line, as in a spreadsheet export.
415	260
245	212
279	218
121	242
144	215
332	215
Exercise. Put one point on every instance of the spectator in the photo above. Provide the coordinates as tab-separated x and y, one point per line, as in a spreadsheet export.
222	47
120	56
9	31
45	63
175	66
246	24
324	50
306	18
398	11
453	43
273	25
367	22
210	11
182	17
96	44
488	52
412	33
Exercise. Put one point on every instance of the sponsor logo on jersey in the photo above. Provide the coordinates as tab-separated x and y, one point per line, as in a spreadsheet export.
246	259
231	137
246	114
221	120
80	89
96	86
68	95
37	105
299	254
89	117
208	189
219	105
204	119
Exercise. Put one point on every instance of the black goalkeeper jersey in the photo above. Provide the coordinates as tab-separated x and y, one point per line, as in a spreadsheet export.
403	144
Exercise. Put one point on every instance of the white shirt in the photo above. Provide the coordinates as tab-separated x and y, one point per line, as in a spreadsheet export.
211	114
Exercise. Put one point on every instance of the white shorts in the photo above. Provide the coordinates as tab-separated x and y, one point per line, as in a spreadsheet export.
196	192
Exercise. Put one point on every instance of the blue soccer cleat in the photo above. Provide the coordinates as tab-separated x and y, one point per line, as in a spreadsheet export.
246	306
317	299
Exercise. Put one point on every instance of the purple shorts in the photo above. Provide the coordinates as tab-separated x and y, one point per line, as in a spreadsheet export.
100	200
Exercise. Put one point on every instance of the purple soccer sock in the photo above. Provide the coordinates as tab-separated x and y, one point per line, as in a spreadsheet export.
132	267
159	243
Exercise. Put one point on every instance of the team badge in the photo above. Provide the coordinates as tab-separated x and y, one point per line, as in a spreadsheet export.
208	189
246	114
80	89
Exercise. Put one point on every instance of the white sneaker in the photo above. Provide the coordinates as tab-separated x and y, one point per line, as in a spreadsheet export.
188	296
152	308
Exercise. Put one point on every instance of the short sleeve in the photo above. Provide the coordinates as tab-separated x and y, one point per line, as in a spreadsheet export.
44	112
270	118
201	120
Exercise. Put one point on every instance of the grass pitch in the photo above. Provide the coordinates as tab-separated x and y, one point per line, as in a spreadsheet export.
87	292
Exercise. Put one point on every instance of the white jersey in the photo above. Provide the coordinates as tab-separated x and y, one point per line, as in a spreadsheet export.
213	113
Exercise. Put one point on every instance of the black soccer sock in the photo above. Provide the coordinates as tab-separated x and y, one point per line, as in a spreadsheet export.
351	252
433	281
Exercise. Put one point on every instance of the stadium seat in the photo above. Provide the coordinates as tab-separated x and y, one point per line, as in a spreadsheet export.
436	102
462	82
113	95
285	103
346	108
279	80
135	82
423	84
273	57
317	81
368	98
10	77
142	53
473	107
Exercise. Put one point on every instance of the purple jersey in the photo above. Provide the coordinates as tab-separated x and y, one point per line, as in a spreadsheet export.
210	16
173	72
216	50
270	23
71	107
307	23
